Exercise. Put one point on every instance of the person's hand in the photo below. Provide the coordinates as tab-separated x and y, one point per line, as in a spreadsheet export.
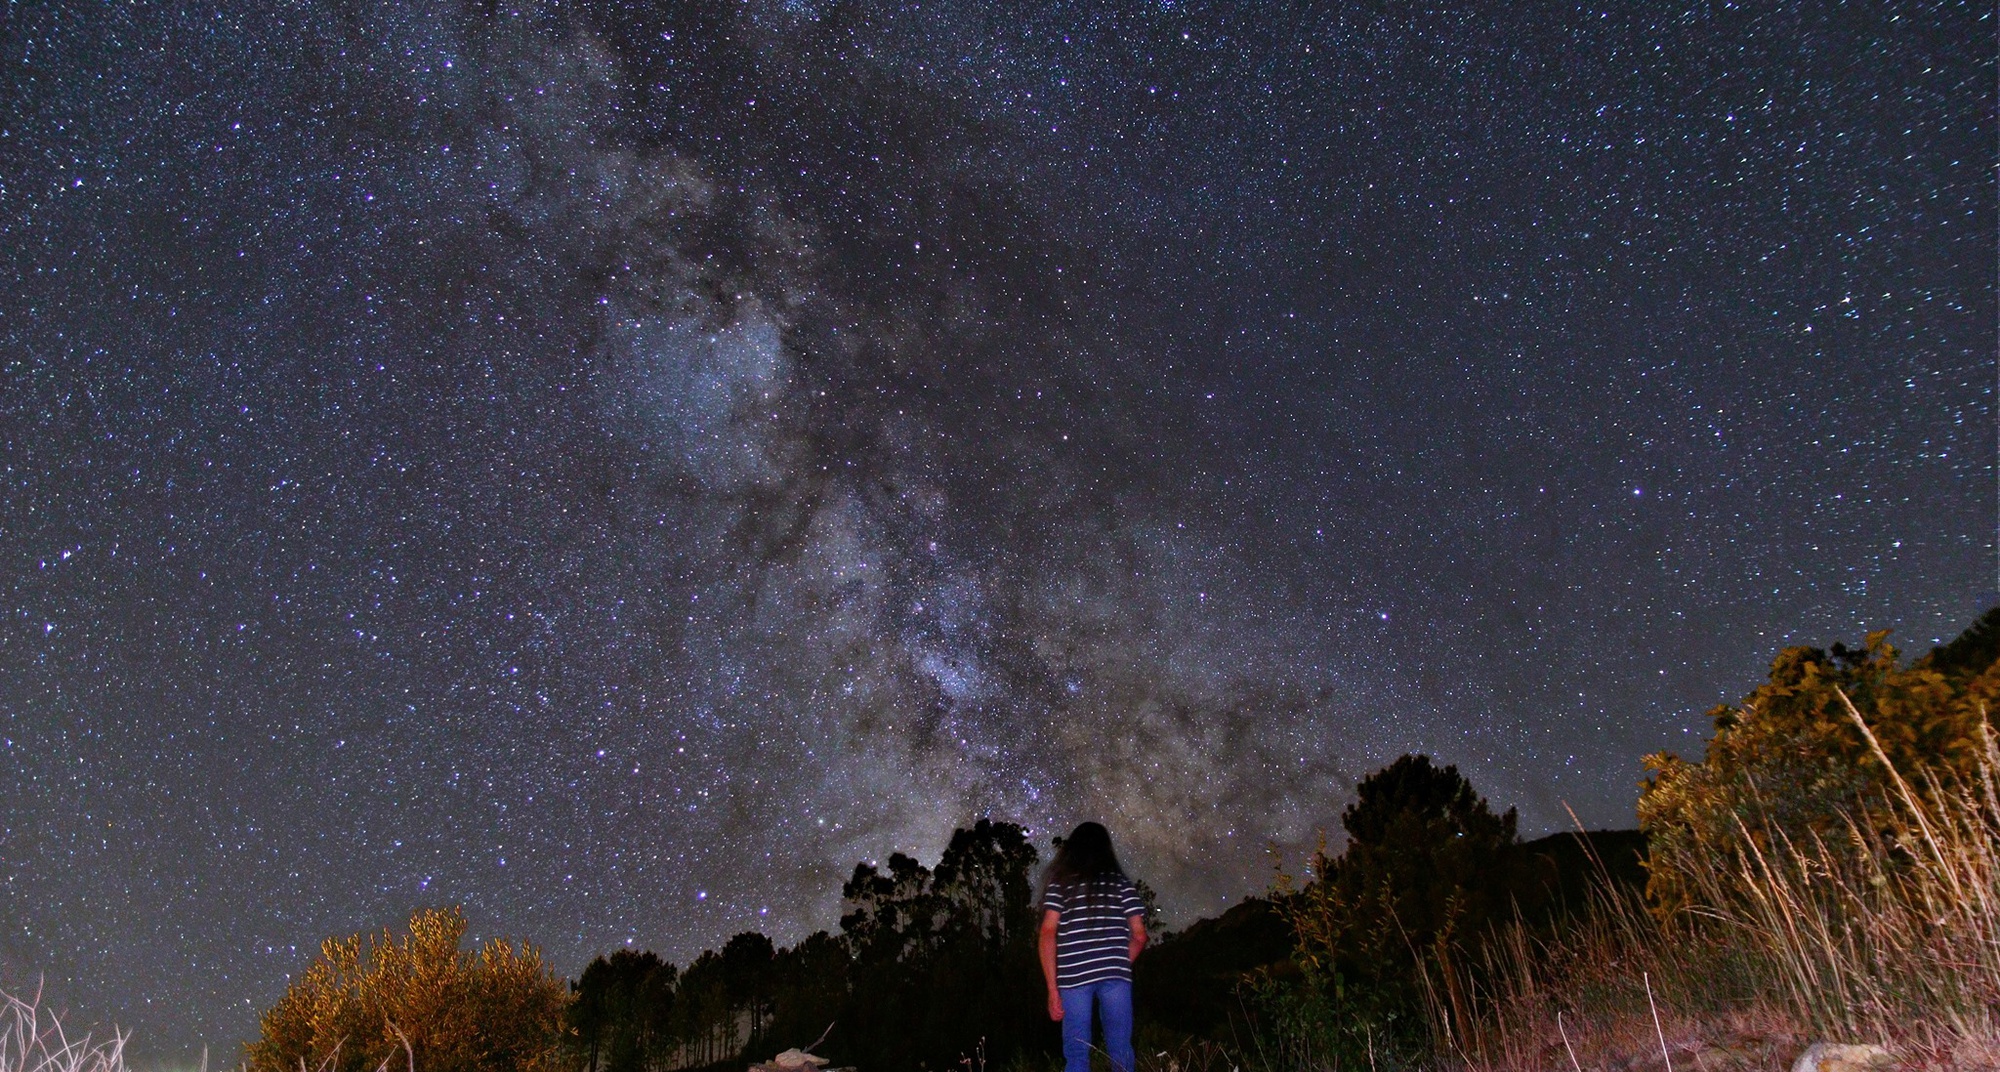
1055	1005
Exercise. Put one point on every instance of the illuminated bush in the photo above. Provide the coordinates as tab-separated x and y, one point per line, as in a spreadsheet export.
416	1002
1789	764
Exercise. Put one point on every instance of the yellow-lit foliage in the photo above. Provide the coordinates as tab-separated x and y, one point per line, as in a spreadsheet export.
1788	764
416	1003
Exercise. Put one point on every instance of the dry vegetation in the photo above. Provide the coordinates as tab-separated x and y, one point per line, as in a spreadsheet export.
32	1039
416	1002
1829	871
1886	932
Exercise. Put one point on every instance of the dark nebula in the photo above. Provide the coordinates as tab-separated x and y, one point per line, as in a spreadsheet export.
614	467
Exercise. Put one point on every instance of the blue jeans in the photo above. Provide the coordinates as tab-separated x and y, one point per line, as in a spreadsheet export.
1113	998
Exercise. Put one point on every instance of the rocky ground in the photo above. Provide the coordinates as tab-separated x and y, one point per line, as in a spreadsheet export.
1742	1045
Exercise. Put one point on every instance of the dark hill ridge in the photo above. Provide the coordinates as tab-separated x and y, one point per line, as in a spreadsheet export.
1971	651
1573	861
1186	985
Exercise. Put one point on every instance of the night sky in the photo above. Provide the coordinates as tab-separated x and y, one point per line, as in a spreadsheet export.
615	467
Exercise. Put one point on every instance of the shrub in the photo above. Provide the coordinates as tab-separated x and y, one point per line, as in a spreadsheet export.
1789	765
417	1002
1427	870
1885	937
1830	870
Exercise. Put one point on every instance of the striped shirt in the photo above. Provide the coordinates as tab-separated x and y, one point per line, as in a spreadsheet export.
1093	929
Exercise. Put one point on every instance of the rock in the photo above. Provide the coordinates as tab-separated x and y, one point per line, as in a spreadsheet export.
1842	1057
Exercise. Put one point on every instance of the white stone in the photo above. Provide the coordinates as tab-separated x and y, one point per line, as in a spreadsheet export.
1842	1057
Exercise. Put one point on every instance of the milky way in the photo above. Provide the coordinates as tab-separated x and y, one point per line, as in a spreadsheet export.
617	468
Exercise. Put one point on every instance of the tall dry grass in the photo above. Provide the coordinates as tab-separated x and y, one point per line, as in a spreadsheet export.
32	1039
1888	933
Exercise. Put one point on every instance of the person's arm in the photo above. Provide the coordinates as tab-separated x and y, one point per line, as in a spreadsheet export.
1135	911
1047	944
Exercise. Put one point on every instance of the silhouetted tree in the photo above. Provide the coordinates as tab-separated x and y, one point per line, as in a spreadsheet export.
1428	868
623	1010
929	965
943	959
746	975
703	1021
809	984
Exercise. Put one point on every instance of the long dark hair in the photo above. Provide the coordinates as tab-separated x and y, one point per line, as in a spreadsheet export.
1084	858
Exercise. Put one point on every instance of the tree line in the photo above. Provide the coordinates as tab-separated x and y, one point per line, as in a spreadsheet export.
933	965
1370	959
929	964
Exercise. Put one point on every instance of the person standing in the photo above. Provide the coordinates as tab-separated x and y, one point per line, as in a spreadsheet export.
1093	927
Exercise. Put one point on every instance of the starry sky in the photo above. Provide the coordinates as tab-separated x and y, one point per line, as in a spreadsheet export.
615	466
